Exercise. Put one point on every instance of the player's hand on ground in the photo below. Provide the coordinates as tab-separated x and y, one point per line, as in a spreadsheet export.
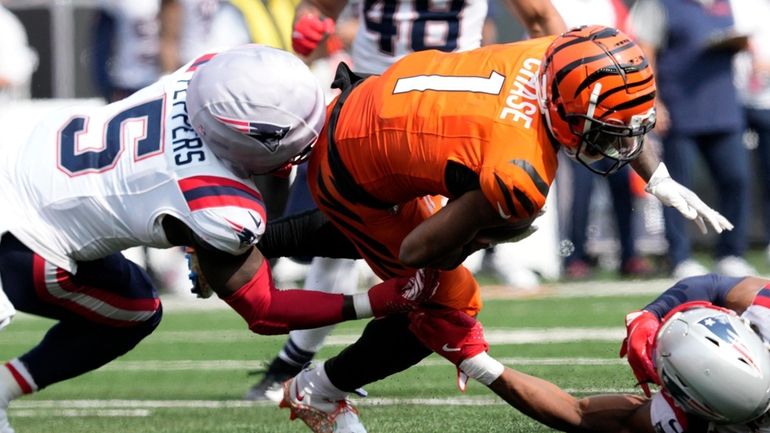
672	193
200	287
309	31
641	328
401	295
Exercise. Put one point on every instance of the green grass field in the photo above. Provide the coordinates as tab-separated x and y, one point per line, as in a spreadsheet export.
189	375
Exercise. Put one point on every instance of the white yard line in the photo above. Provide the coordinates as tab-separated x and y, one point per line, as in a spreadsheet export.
230	364
133	408
494	336
75	413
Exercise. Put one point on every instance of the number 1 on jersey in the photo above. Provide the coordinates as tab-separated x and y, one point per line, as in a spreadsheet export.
491	85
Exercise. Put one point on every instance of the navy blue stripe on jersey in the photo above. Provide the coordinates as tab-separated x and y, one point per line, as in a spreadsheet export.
207	191
221	196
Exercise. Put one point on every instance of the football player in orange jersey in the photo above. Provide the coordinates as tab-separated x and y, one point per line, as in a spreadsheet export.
385	31
481	128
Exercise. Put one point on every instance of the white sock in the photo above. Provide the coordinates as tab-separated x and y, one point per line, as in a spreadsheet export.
15	381
330	276
309	340
362	306
483	368
316	382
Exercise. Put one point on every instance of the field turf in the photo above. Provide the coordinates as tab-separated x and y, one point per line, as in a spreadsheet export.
189	376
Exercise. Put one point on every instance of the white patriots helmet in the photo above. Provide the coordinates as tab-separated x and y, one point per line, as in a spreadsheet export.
714	365
257	108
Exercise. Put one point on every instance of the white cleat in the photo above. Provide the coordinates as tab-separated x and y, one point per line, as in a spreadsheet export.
320	414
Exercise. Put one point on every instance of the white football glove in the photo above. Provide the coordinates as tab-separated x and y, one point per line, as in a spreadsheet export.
672	193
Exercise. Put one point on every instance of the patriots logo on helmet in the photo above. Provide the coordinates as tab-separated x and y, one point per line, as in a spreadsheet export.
266	133
721	327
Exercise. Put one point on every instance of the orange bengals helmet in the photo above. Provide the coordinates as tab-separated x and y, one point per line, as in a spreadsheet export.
597	92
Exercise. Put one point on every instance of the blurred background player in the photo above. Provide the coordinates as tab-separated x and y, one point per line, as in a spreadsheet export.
383	151
386	32
752	75
17	60
692	45
126	47
185	26
578	265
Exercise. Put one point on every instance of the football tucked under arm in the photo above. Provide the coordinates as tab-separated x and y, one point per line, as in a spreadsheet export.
508	232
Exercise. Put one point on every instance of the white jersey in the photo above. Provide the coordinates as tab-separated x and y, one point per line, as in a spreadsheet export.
390	29
668	419
94	181
135	61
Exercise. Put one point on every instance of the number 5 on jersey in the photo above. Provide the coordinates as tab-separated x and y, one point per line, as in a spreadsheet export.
74	161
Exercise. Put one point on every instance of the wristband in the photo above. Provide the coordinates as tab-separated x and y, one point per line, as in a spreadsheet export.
483	368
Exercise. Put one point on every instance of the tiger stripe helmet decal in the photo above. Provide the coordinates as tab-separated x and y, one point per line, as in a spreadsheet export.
597	92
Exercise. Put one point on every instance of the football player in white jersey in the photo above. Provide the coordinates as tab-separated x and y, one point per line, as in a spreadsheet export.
168	166
714	365
390	29
387	30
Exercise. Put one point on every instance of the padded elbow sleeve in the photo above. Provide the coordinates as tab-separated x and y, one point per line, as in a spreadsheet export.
305	234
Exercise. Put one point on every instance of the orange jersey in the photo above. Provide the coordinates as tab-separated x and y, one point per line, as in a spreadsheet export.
397	132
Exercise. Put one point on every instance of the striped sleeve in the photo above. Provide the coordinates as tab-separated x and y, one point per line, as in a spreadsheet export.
516	189
229	215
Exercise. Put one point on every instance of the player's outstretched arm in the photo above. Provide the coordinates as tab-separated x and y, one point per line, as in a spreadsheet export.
672	193
459	338
445	239
539	17
552	406
245	283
